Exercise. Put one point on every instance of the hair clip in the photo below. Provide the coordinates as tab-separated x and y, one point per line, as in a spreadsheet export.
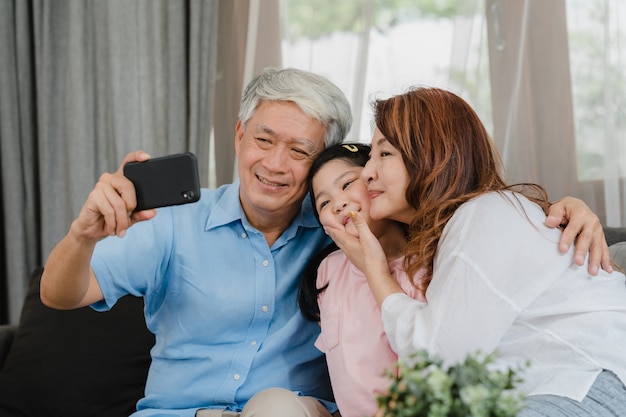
351	148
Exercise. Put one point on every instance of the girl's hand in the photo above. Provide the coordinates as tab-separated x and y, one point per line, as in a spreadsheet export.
366	253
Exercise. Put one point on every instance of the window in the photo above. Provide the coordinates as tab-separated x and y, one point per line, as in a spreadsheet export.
555	100
597	56
377	48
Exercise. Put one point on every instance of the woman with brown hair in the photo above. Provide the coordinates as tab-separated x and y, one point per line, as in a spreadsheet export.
498	283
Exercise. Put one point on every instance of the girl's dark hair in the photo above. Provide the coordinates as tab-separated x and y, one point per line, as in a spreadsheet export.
355	154
308	291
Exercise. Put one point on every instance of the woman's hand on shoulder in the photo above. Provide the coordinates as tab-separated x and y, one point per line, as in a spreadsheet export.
584	230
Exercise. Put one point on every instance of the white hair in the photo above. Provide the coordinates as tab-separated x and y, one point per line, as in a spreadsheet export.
315	95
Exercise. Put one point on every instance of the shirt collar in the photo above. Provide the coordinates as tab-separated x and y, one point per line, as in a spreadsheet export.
228	209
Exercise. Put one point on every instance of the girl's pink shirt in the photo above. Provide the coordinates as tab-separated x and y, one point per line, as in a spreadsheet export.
352	337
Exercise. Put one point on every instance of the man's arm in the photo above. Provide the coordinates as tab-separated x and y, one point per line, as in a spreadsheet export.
583	228
68	281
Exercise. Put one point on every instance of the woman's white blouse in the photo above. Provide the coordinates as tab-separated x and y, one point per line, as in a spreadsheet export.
501	283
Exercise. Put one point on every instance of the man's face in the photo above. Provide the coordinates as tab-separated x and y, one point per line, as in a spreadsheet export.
274	154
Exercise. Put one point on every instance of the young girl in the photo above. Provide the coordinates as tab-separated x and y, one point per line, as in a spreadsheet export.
498	282
352	335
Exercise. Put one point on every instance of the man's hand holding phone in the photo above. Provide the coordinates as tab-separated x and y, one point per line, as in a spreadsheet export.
108	210
132	193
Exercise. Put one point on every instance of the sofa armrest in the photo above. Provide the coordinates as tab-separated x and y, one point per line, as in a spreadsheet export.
7	334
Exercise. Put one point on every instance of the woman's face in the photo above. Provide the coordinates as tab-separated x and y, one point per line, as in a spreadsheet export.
338	189
387	180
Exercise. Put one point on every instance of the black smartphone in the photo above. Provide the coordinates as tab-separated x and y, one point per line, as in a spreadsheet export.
165	181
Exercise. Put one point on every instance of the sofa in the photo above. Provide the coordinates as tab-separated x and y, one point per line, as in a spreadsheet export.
84	363
73	363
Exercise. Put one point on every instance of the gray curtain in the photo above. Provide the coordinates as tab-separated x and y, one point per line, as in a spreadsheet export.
82	83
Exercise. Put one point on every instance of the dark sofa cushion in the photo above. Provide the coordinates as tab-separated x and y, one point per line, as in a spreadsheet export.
7	334
614	235
75	363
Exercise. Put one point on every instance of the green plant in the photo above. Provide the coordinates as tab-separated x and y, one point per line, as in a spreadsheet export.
472	388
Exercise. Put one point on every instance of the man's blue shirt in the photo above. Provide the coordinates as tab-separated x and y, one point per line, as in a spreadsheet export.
222	304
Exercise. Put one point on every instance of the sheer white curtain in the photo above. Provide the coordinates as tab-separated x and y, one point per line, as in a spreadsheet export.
546	77
248	41
559	94
531	93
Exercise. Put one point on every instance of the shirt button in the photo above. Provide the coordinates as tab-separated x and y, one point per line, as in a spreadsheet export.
253	343
266	262
264	309
236	377
244	235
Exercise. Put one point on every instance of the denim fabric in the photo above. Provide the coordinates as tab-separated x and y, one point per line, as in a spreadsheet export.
606	398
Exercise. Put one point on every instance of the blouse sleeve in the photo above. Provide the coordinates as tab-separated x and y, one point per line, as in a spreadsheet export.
492	261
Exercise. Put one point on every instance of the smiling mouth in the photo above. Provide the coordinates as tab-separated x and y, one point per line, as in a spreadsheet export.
347	219
269	183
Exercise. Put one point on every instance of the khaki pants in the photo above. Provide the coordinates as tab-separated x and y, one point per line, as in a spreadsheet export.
274	402
206	412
